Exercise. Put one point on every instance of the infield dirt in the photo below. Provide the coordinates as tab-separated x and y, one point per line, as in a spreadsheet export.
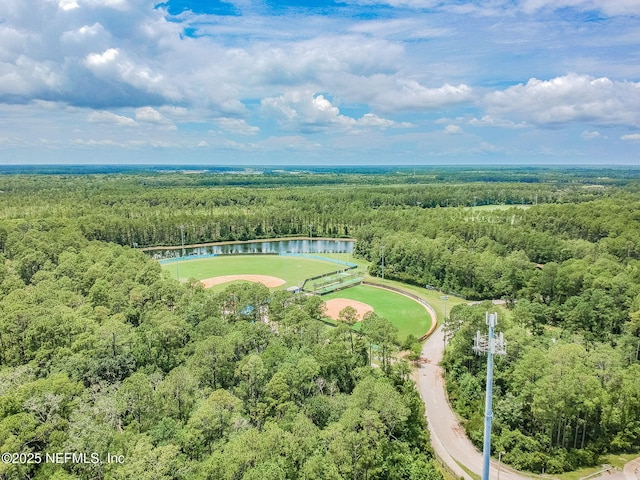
335	305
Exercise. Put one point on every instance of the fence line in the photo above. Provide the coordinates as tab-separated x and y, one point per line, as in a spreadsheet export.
318	257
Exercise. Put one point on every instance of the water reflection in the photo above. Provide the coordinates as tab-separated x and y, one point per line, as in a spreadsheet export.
262	247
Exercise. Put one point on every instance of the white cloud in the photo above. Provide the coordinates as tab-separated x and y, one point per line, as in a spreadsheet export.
307	72
372	120
303	110
114	66
452	130
68	5
407	94
176	112
608	7
84	34
401	28
150	115
399	3
95	143
28	77
570	98
491	121
109	56
306	111
633	137
121	5
111	118
237	126
587	135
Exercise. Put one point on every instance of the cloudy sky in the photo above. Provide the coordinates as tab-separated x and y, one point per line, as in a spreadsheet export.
524	82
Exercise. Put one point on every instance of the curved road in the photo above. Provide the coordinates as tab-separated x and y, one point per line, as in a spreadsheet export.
447	436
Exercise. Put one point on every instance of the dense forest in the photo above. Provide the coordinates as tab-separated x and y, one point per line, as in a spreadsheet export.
100	352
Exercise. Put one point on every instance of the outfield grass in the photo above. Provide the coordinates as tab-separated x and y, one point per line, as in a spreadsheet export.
346	257
293	270
432	297
408	315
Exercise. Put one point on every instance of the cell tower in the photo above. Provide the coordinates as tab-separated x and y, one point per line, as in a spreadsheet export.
490	344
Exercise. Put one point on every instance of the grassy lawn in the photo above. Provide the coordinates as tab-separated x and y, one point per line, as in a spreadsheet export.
291	269
345	257
409	316
433	297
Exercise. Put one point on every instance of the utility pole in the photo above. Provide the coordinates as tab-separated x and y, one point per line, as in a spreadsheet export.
444	298
182	238
382	248
490	344
181	252
311	238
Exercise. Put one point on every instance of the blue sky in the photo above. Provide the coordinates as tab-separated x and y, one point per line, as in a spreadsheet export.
362	82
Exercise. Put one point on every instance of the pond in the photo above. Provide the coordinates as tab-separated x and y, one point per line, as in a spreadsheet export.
315	246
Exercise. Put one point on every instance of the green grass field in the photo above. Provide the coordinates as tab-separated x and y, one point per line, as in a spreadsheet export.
432	297
291	269
408	315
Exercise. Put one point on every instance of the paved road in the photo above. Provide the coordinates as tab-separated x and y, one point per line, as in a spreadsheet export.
632	470
447	436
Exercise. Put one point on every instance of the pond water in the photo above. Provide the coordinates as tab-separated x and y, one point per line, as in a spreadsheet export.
256	247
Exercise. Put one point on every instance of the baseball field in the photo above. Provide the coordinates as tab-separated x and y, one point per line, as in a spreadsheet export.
276	271
408	315
291	271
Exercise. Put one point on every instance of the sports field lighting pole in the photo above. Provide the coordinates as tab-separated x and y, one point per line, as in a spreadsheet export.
182	238
491	345
382	248
444	298
444	318
499	463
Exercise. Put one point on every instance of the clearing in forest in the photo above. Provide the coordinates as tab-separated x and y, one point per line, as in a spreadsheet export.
292	269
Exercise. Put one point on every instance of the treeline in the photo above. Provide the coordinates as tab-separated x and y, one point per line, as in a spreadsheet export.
149	210
498	253
101	353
